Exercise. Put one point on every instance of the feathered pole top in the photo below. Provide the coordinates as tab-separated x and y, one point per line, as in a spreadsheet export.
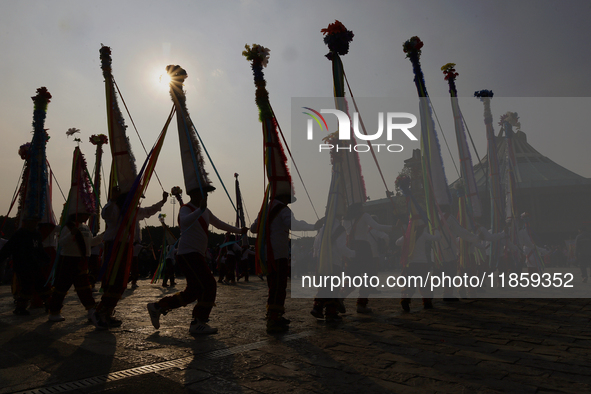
337	38
177	192
485	96
23	150
412	48
98	139
196	178
450	76
177	79
259	56
37	182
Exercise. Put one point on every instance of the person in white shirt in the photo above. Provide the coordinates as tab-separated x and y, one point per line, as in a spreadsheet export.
281	220
75	241
245	256
358	224
143	213
327	304
449	249
195	219
113	290
533	253
418	266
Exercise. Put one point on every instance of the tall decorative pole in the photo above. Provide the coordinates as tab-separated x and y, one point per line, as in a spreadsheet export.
123	167
98	140
466	166
497	209
434	180
469	202
177	192
347	185
196	178
274	156
507	122
338	38
36	190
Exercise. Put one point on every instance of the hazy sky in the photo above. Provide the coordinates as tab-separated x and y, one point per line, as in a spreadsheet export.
518	49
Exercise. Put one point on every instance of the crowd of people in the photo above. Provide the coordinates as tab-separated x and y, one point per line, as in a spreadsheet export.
354	238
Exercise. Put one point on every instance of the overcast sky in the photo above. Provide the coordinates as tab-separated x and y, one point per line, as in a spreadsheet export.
518	49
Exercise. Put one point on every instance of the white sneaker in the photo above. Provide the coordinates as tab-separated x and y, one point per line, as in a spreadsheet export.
199	328
56	318
92	316
155	314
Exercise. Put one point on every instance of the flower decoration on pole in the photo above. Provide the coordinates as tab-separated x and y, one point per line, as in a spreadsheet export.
161	217
23	150
412	47
98	139
450	72
176	190
259	56
512	118
72	131
402	183
337	38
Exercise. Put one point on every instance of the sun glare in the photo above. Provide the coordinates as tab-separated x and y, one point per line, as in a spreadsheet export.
164	80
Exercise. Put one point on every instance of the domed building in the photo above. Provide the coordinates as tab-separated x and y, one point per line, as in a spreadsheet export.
557	199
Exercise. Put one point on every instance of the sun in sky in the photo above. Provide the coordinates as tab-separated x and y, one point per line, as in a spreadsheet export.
163	80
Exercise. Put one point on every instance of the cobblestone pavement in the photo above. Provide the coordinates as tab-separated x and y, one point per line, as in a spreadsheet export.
483	345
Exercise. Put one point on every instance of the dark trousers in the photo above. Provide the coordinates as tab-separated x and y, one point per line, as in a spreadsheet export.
30	282
230	269
363	263
135	269
243	268
417	270
584	265
94	266
71	271
450	268
168	272
325	298
277	283
115	283
201	286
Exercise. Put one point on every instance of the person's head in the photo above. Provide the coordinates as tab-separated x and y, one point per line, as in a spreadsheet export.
285	198
198	194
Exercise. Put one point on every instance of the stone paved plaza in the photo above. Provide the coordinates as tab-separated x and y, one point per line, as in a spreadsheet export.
474	346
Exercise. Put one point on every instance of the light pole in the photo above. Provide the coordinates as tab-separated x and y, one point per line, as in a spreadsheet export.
173	202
